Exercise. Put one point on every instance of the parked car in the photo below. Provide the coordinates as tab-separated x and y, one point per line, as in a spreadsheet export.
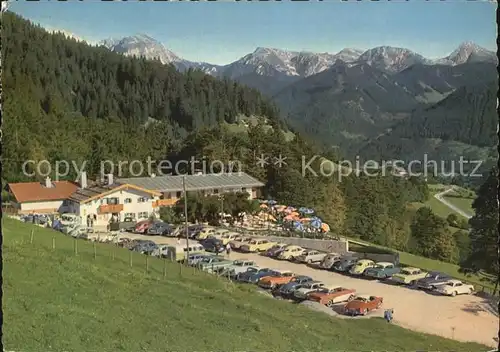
301	293
194	230
79	230
433	280
239	241
311	256
275	250
128	224
382	270
213	245
329	260
161	251
146	247
253	274
361	305
360	266
286	291
213	264
205	233
409	276
239	266
270	282
142	226
344	265
219	232
228	237
455	287
291	252
257	245
159	229
331	295
195	258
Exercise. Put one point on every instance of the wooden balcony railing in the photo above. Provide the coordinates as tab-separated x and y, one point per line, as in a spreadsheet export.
164	202
110	208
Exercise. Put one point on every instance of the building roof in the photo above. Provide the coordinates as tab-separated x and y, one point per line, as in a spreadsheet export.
37	192
98	190
194	182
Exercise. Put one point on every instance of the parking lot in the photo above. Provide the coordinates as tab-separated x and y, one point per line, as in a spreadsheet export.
464	318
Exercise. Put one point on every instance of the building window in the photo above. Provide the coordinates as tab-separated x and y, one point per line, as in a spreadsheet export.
216	191
167	195
179	194
143	215
243	189
129	215
113	201
128	200
142	200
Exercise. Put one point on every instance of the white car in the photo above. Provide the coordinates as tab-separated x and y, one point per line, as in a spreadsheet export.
311	256
240	266
301	293
455	287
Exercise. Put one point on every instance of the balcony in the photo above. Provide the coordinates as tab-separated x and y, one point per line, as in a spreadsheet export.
164	202
110	208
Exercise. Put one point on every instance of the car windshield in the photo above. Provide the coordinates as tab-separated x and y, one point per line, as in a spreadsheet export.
252	242
238	263
252	270
406	272
378	266
361	299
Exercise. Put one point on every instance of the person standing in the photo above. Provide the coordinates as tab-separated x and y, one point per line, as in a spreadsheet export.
228	249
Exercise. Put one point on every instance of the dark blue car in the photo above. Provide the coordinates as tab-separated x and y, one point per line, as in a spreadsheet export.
433	279
253	275
287	290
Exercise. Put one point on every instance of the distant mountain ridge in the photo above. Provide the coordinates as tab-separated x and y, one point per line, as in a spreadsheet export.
264	61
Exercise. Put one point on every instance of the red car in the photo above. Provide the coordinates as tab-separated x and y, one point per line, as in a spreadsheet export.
361	305
142	226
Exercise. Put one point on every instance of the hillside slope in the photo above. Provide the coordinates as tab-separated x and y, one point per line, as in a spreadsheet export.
54	300
467	118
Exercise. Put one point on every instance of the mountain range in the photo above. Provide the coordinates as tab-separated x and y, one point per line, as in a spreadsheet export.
270	69
385	102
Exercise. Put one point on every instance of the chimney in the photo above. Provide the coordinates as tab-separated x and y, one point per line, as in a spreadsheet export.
110	179
48	182
83	180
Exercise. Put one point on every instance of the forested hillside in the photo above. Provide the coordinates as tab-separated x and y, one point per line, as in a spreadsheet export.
63	98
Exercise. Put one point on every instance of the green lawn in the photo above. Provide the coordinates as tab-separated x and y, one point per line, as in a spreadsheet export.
55	300
464	204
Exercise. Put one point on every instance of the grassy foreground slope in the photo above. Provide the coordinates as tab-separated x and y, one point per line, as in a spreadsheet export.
55	300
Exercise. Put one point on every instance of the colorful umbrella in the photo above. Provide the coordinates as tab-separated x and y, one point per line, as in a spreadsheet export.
298	226
316	223
325	227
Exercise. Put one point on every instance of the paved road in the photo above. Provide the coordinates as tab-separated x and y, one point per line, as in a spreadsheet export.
464	318
439	197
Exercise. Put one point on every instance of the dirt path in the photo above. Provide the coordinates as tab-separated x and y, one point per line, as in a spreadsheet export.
464	318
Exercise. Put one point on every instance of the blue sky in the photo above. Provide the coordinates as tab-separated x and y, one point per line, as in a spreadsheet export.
221	32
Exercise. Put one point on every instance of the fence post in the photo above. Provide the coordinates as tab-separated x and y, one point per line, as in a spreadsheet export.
180	269
130	257
76	246
31	236
147	263
95	251
113	252
53	242
164	267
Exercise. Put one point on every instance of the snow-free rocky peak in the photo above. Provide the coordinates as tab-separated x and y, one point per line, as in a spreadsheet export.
468	52
391	59
141	45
